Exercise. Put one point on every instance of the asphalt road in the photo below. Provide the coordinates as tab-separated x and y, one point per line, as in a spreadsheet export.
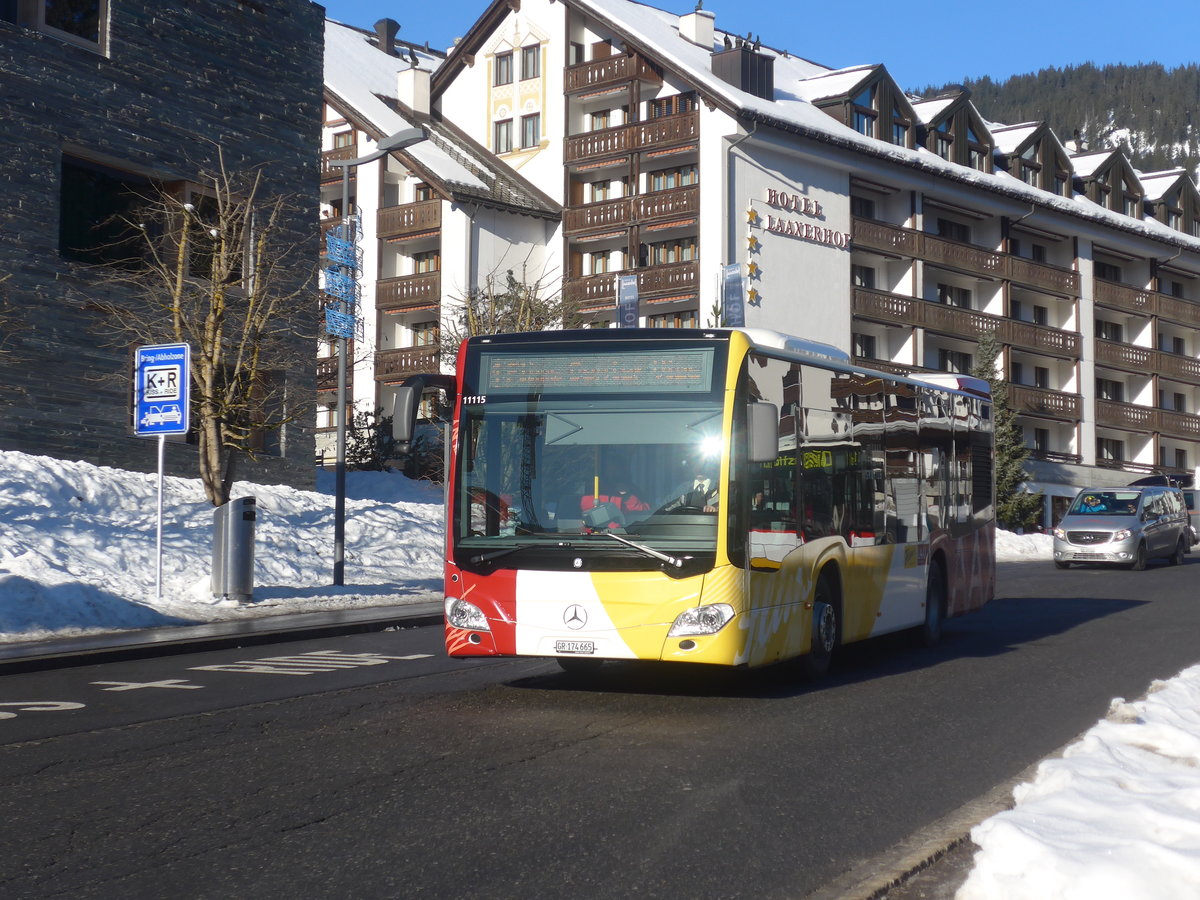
371	766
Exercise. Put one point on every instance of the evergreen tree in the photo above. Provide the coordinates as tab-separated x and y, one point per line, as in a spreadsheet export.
1014	507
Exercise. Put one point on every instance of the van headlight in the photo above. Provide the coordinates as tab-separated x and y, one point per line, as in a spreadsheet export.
1122	534
702	620
462	614
1060	533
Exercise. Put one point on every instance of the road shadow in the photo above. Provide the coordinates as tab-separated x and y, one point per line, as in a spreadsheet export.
1034	601
34	608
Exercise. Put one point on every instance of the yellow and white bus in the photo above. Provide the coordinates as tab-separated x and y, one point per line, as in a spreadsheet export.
724	496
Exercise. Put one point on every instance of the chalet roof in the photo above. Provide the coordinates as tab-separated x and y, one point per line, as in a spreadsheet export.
839	83
1157	184
1088	164
1010	138
930	110
362	77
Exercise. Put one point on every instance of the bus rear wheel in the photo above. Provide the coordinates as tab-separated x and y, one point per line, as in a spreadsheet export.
930	633
825	627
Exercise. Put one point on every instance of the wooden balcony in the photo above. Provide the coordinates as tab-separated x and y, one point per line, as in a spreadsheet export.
327	368
1054	279
1179	424
684	201
888	238
604	73
396	365
898	241
330	172
1126	416
408	291
966	257
598	216
1144	360
1185	312
653	283
894	309
653	135
1032	401
1123	297
398	222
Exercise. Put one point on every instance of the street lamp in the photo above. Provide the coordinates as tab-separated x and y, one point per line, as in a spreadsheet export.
397	141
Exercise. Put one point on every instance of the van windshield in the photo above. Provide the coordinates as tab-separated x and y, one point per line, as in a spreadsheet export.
1105	503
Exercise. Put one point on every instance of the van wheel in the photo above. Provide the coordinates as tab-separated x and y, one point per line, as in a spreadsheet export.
1139	559
1180	551
825	627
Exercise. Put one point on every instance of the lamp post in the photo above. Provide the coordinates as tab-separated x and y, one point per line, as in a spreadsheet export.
397	141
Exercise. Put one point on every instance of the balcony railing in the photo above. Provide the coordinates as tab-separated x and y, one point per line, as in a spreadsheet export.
870	234
327	368
409	218
328	170
655	134
1132	417
1178	310
1123	297
395	365
900	310
653	283
1023	399
626	211
406	291
1131	358
602	73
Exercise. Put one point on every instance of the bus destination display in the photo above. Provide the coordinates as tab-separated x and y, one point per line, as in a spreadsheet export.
612	372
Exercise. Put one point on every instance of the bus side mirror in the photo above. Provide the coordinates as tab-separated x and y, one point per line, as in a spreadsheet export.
762	432
404	418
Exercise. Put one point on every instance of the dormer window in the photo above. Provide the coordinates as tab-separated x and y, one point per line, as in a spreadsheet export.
943	142
901	125
977	151
503	69
865	112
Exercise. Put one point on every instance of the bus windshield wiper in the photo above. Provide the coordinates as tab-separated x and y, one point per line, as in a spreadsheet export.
649	551
479	558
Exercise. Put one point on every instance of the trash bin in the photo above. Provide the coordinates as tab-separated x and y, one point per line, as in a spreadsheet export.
233	550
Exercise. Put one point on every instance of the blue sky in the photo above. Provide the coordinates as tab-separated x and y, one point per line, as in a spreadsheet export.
925	42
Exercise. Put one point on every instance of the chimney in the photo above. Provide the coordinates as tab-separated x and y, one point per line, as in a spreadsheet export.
412	88
698	26
746	68
385	35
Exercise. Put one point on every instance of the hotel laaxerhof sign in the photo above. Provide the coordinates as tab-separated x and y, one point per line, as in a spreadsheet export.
790	226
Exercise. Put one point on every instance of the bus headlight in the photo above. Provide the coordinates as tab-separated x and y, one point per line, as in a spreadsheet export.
702	620
462	614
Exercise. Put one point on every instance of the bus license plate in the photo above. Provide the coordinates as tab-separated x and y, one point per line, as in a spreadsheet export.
574	646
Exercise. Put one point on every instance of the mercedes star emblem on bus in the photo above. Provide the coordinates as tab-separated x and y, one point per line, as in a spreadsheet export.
575	616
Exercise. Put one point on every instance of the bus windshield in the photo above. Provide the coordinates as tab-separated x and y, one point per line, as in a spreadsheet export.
561	461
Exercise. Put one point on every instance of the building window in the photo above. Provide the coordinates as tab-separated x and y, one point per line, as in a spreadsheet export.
1041	315
343	139
1180	459
502	136
953	295
531	131
429	261
864	346
1016	373
943	146
900	133
683	319
424	334
864	113
422	192
666	179
670	106
681	250
82	22
600	119
95	206
863	276
575	54
1041	440
1110	449
1107	389
1108	271
503	69
599	191
954	361
954	231
531	61
1041	377
862	207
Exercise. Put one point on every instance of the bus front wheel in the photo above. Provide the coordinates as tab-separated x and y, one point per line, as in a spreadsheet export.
824	630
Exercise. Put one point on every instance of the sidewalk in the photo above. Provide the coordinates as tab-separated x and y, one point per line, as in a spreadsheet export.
131	644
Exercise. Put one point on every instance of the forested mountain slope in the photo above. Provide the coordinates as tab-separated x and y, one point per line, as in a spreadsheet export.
1154	111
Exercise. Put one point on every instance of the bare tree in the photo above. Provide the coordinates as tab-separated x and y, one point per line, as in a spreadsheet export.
507	304
219	268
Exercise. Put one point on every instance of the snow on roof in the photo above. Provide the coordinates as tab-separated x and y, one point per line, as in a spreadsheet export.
1089	163
1157	184
358	73
1009	137
833	84
929	110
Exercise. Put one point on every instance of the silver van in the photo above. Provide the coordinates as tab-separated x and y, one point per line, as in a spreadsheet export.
1123	525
